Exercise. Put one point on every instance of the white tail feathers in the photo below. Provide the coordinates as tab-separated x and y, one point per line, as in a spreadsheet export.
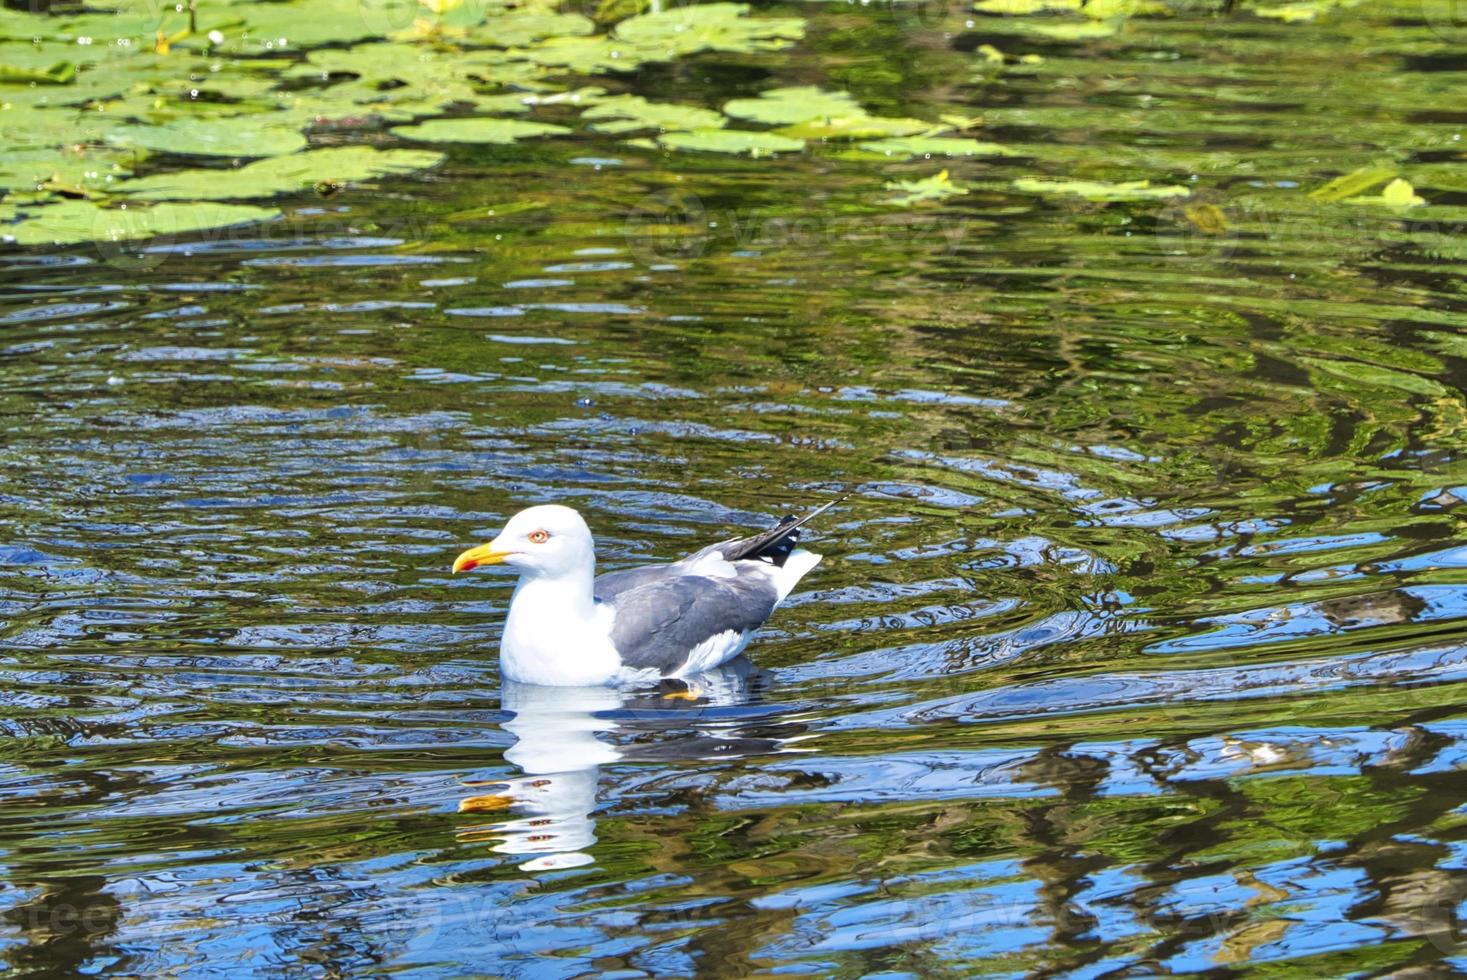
795	567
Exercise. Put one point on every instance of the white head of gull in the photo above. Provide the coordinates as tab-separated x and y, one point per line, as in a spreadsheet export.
566	626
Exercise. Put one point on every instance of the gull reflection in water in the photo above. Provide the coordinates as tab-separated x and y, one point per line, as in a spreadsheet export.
560	749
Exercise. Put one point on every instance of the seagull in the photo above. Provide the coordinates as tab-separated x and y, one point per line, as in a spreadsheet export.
567	626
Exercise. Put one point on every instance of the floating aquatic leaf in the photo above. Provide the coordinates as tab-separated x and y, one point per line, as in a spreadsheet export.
1114	9
1290	13
1069	30
281	27
265	135
524	27
1352	184
626	113
344	106
933	188
1293	13
947	146
483	129
611	11
415	63
38	127
854	128
708	27
19	25
732	141
110	76
783	106
664	36
380	62
960	123
281	175
587	55
1094	190
134	30
71	222
1397	194
1022	7
151	107
411	78
84	169
60	73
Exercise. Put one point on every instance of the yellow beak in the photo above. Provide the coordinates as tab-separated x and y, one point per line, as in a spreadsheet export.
482	555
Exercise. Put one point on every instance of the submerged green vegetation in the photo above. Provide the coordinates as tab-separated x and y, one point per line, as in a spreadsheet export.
103	114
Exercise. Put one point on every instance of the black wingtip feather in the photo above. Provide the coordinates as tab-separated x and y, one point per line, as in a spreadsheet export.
776	544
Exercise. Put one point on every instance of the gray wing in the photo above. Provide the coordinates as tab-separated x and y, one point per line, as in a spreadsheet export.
662	616
607	587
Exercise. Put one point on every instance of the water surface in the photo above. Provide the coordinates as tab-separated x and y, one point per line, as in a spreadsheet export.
1138	647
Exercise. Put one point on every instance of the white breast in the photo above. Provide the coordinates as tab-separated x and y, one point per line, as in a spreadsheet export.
544	645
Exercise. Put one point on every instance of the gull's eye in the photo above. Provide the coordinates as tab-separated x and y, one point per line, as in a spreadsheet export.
539	537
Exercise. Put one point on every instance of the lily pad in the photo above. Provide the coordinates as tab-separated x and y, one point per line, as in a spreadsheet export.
947	146
71	222
137	28
524	27
1094	190
933	188
1022	7
266	135
344	106
1308	10
1117	9
665	36
783	106
281	175
285	27
1397	194
626	113
1070	30
681	31
82	169
28	126
732	141
854	128
586	55
411	78
60	73
479	129
1352	184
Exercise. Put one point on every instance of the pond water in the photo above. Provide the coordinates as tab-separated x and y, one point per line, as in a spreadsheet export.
1138	646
